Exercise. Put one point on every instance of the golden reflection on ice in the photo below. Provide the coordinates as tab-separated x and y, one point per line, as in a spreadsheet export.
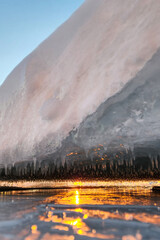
34	229
34	233
76	224
80	227
48	236
69	210
75	218
77	197
129	195
61	228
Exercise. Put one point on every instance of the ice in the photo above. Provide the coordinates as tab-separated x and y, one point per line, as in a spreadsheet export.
114	211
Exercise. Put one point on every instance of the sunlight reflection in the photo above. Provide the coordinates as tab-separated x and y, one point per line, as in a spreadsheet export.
34	229
61	228
77	223
84	209
78	226
48	236
141	217
110	195
77	197
76	218
34	233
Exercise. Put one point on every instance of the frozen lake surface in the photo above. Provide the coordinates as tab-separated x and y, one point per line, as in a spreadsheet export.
81	211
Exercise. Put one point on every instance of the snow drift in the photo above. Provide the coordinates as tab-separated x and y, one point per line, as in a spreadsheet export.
94	82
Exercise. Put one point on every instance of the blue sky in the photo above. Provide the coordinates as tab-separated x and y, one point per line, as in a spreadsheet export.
24	24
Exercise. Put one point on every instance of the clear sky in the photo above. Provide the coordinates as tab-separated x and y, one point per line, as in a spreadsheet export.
24	24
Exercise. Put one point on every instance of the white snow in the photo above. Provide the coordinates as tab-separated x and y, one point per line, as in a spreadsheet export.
87	60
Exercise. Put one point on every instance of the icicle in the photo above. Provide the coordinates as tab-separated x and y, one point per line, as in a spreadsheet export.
34	164
5	166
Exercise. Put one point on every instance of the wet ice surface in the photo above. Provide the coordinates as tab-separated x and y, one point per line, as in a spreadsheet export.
105	210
